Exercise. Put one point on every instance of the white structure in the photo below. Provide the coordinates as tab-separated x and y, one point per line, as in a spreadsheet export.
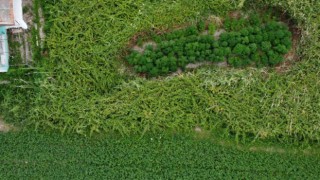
4	50
11	16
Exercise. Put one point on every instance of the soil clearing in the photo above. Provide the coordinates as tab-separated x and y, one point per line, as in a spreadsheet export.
4	127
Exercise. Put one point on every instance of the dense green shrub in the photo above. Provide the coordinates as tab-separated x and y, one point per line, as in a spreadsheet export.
201	26
243	44
265	46
255	20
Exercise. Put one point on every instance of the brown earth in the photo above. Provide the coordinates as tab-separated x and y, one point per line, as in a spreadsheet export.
4	127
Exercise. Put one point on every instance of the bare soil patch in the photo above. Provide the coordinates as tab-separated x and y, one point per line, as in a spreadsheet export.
4	127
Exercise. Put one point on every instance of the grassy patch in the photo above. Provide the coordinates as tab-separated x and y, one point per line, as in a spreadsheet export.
85	89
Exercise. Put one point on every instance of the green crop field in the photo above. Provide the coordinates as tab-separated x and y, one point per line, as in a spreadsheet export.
86	82
52	156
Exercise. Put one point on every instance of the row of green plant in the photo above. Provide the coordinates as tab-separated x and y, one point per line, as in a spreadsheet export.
52	156
260	44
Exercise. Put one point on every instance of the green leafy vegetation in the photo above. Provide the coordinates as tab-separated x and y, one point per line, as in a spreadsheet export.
211	29
84	88
20	84
80	86
242	46
38	156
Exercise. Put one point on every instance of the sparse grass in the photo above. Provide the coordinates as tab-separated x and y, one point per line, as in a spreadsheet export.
15	55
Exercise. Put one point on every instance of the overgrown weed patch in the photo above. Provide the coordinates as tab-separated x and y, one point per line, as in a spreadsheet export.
81	90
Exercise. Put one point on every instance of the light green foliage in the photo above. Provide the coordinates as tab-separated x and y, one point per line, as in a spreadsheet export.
83	88
233	24
212	28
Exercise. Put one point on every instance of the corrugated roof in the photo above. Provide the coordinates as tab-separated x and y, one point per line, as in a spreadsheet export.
6	12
